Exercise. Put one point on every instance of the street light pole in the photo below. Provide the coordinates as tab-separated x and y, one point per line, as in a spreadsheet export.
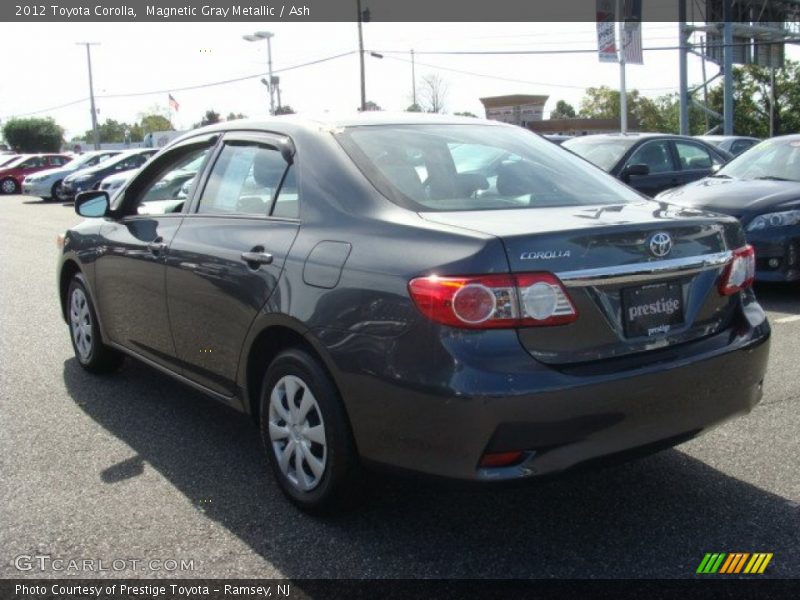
413	79
95	132
361	59
266	35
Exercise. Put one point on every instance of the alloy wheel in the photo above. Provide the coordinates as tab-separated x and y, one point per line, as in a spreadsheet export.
8	186
81	324
297	433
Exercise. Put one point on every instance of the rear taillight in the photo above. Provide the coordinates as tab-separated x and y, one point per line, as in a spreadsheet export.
740	272
494	301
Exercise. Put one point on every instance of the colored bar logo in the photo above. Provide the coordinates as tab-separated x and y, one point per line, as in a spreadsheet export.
733	563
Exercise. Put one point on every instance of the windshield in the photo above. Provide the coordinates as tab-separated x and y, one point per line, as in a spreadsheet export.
603	152
771	159
15	161
475	167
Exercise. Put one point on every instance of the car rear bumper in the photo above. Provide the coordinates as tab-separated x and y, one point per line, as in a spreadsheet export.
559	418
777	256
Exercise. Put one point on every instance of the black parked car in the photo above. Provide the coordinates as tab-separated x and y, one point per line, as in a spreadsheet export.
762	189
649	162
87	179
449	296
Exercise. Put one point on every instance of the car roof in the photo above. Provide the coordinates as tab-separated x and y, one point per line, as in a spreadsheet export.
632	136
330	121
726	137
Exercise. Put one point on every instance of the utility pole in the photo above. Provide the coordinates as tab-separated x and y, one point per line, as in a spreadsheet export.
683	41
361	58
266	35
95	132
727	98
623	94
413	79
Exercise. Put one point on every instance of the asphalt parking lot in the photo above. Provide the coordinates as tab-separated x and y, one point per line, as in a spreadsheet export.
136	466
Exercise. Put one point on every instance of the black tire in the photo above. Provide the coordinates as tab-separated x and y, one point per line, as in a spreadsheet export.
339	487
54	191
99	358
9	186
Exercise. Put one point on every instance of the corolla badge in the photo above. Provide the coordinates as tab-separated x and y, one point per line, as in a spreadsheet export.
660	244
544	255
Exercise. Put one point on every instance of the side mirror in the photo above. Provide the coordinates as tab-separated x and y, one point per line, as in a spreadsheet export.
92	204
715	168
638	169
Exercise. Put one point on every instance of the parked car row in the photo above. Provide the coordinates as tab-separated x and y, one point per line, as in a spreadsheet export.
61	176
760	186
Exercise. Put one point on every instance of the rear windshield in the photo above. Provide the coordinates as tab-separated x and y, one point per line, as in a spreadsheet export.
475	167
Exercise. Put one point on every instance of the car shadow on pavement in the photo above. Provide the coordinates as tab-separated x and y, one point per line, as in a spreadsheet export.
779	297
655	517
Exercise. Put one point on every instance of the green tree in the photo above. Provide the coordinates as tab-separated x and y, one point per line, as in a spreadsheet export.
563	110
751	99
414	108
232	116
209	118
155	122
110	131
33	134
284	110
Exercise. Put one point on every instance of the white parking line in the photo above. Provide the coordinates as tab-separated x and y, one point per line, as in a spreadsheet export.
788	319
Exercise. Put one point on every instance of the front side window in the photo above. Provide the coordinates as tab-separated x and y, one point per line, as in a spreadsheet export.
693	156
475	167
655	155
162	194
244	180
603	152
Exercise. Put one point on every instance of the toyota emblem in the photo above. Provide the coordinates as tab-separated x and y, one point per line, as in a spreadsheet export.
660	244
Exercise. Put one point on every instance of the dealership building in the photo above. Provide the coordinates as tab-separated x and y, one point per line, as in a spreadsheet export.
517	109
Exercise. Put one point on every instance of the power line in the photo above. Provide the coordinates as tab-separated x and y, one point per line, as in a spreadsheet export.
186	88
512	80
537	52
227	81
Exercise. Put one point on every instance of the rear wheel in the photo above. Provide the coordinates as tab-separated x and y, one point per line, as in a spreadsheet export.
92	354
306	434
9	186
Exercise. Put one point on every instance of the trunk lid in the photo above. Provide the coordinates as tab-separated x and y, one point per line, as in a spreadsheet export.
641	276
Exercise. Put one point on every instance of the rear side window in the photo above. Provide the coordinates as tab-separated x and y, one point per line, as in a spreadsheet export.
245	179
58	160
475	167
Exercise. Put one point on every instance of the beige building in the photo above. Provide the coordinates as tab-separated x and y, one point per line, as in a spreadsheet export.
517	109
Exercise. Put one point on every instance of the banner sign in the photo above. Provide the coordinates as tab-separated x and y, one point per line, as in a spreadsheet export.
606	38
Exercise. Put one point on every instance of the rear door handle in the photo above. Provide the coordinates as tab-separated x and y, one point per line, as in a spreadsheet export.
257	258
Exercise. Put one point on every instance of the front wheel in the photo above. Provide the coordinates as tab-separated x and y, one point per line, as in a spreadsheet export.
9	186
55	190
92	354
307	435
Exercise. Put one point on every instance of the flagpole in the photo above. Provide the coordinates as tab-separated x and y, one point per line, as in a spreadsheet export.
623	94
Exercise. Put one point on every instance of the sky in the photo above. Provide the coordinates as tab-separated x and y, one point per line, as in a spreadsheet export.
44	67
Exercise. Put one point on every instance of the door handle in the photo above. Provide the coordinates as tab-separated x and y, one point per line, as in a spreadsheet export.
157	246
257	258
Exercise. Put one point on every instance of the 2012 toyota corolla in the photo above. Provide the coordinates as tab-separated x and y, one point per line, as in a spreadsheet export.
444	295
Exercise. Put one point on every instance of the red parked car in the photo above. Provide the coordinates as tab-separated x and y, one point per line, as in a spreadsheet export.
12	174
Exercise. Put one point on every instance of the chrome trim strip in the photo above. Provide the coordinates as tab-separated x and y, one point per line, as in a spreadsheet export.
638	272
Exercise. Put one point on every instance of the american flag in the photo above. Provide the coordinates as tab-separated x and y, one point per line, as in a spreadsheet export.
173	104
632	44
